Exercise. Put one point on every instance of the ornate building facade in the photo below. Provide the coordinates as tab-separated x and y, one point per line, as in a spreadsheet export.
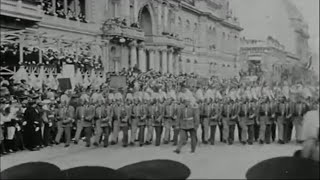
175	36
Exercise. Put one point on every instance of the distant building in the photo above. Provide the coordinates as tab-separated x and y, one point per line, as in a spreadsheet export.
175	36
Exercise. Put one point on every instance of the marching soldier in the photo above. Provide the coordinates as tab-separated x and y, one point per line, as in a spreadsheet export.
176	107
264	118
206	108
273	119
299	111
168	118
281	113
103	116
252	116
243	119
136	115
188	123
122	114
288	120
87	121
233	120
226	117
214	115
149	122
142	121
66	116
79	116
158	112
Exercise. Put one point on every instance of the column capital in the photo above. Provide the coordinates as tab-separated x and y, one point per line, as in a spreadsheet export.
170	50
141	45
133	43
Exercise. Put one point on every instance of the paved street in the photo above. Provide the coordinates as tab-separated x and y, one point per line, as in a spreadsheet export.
219	161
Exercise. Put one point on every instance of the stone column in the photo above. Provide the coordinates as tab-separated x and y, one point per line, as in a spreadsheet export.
142	58
165	19
170	61
135	11
151	59
133	53
160	18
126	10
157	60
164	61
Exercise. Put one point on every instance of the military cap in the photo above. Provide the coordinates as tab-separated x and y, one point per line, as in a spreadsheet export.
33	170
93	172
284	168
156	169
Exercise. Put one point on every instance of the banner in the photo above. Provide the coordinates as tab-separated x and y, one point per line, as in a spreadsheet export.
118	82
64	84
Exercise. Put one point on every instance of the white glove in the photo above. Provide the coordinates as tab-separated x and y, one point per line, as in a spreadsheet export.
24	123
50	124
18	128
37	129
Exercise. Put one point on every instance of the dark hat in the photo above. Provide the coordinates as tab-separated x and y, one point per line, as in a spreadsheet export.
285	168
93	172
156	169
33	170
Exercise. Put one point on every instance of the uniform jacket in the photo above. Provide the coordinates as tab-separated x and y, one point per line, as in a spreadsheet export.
188	119
66	115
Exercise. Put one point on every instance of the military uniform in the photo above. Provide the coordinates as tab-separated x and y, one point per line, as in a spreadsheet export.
142	123
243	118
299	111
66	116
214	114
288	121
250	123
281	115
158	112
79	118
149	123
226	116
135	118
103	117
168	119
122	114
205	115
264	122
188	123
233	121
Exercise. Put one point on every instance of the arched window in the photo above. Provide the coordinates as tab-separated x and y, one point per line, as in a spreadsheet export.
195	26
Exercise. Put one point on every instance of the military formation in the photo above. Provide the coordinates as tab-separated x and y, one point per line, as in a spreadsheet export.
99	118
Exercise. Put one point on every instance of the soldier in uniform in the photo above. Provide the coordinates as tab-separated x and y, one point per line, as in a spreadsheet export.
214	113
288	120
188	123
142	121
205	115
273	118
158	112
300	109
226	115
122	114
233	120
66	116
87	121
281	113
135	118
252	116
168	118
149	121
243	119
103	117
264	118
79	116
174	124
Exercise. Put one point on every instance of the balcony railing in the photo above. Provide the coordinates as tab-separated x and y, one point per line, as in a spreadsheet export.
165	40
68	23
113	29
21	9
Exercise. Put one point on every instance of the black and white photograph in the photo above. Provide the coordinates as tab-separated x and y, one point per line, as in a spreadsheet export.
159	89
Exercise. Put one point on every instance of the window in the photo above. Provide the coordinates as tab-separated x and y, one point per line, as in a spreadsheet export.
195	26
188	25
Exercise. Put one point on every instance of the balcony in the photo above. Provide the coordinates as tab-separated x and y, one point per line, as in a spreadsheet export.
114	29
64	23
165	41
21	9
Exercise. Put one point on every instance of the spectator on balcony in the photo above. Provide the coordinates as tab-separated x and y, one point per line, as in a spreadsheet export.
71	15
82	17
60	10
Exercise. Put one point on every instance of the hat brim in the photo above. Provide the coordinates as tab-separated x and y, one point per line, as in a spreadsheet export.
156	169
93	172
284	168
33	170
